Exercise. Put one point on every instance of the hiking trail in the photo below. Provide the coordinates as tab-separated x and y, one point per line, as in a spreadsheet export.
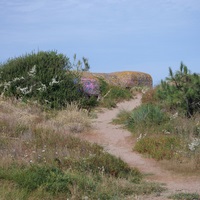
119	142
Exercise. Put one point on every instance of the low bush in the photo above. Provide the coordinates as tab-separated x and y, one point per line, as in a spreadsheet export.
159	147
104	163
150	96
45	77
185	196
52	179
146	115
111	95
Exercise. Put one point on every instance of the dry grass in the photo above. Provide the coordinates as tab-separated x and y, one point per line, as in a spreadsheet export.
28	135
31	137
76	120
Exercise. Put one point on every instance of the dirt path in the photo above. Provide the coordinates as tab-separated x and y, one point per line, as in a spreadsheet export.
118	142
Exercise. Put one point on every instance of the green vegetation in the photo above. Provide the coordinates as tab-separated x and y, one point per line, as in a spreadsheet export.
185	196
147	115
41	158
167	124
181	91
45	77
51	80
160	147
41	155
111	95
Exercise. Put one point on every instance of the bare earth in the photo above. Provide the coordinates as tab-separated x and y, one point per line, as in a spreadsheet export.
119	142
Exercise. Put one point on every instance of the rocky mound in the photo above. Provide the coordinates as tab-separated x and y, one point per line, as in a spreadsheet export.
126	79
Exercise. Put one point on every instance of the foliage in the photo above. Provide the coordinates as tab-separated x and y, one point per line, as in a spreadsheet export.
45	77
185	196
181	91
52	179
40	160
158	147
150	96
111	94
146	115
104	163
122	117
80	66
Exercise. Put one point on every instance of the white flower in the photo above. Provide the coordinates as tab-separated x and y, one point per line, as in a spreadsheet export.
32	72
42	88
18	79
194	144
166	132
53	81
25	90
174	116
141	136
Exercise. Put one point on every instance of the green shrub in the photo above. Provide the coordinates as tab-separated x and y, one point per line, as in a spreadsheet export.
185	196
51	179
103	163
111	95
159	147
122	117
45	77
150	96
181	91
146	115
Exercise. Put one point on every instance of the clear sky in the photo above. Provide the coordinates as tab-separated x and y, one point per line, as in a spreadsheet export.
115	35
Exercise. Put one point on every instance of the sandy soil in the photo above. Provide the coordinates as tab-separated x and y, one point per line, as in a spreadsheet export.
119	142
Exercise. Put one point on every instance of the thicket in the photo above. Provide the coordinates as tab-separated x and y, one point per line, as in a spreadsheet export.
47	77
181	91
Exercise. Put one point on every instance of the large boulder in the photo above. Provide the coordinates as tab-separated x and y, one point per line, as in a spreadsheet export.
126	79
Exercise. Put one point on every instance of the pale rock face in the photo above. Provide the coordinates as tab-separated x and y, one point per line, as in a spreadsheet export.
126	79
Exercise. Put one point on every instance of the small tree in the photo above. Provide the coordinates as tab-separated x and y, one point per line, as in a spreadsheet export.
181	90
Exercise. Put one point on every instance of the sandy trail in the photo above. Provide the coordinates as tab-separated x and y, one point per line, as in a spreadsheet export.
118	142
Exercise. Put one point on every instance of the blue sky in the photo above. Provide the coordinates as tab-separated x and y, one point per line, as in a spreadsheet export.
115	35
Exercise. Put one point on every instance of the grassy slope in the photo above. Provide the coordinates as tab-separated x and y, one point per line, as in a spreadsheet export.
41	158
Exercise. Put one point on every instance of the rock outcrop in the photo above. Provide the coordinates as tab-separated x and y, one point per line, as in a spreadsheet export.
126	79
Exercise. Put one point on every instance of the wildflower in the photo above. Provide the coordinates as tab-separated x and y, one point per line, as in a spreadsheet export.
194	144
141	136
32	72
174	116
53	81
166	132
25	90
18	79
42	88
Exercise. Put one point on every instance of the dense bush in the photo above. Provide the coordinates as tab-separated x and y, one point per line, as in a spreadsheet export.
146	115
181	91
44	76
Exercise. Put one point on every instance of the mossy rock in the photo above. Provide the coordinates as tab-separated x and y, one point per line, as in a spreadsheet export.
126	79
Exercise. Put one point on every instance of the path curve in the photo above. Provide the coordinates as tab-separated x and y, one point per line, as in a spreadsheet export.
118	142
